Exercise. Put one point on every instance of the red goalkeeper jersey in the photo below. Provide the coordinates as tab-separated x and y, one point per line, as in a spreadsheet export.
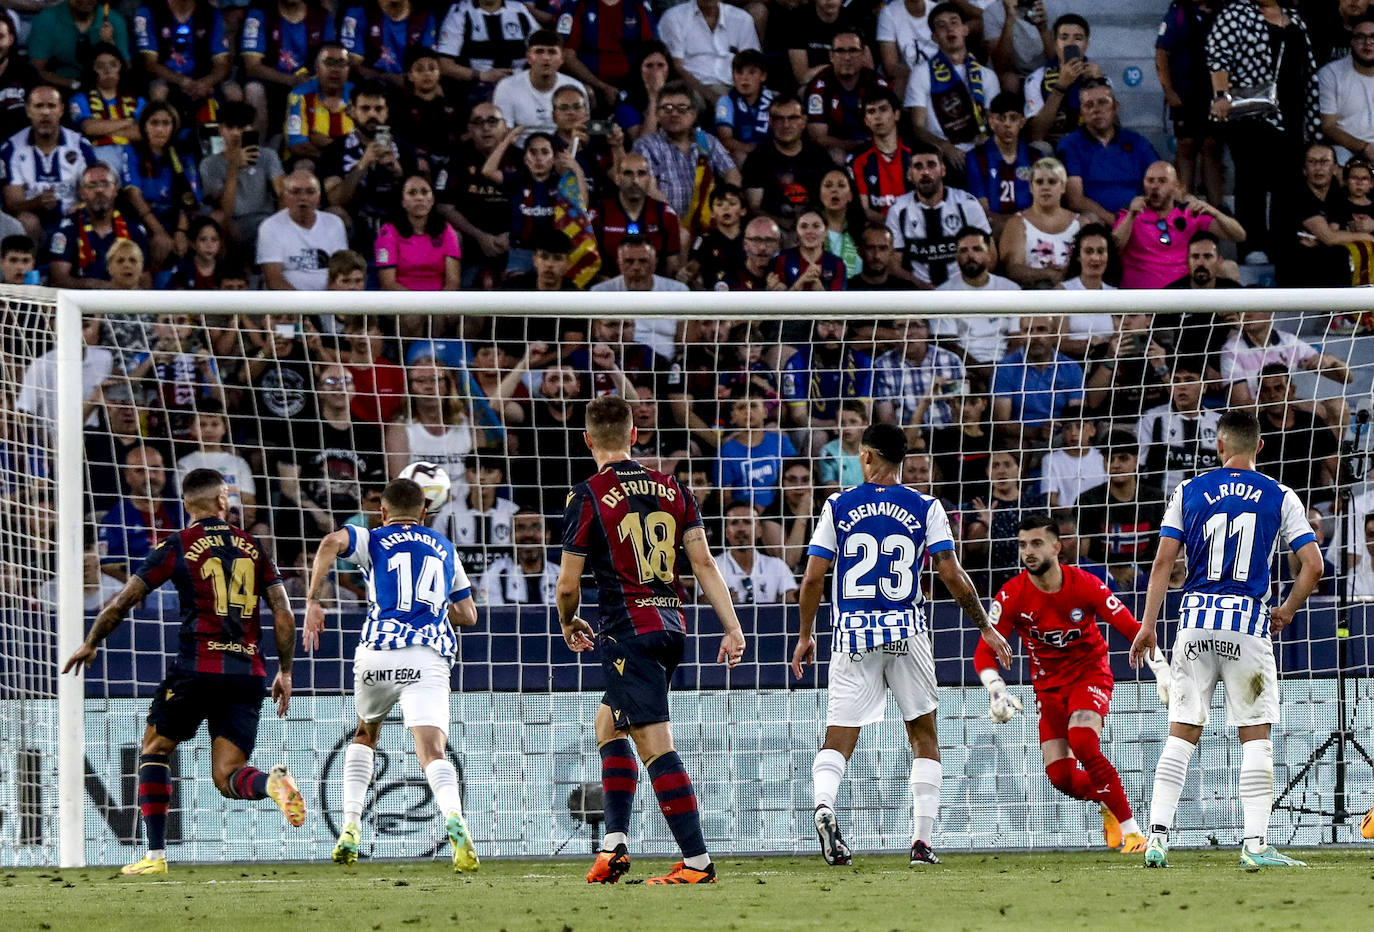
1059	628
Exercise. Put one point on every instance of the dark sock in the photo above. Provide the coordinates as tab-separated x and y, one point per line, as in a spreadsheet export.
619	780
154	796
678	802
1106	782
248	782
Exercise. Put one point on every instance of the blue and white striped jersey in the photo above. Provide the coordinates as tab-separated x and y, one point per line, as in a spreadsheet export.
1230	521
412	575
878	536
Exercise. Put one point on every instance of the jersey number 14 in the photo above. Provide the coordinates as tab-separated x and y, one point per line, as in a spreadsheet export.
428	588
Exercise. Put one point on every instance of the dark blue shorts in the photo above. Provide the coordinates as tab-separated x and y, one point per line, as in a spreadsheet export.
228	703
637	670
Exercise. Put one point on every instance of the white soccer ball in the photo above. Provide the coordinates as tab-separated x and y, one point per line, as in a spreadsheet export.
432	478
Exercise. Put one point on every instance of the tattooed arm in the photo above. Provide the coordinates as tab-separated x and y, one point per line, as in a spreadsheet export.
110	618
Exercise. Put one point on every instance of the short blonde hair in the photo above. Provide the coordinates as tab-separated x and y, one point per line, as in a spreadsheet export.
121	246
1053	166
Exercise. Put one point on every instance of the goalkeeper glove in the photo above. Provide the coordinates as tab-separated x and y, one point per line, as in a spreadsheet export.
1004	705
1163	678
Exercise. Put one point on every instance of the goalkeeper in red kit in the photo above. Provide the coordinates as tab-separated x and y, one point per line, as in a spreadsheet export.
1055	609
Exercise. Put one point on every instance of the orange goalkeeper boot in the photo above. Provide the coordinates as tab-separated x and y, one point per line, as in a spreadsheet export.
1367	824
1111	829
610	866
681	873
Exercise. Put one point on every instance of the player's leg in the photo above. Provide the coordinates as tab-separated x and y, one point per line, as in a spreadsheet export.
1061	767
909	671
154	797
233	727
1194	678
1085	740
359	765
619	781
857	696
827	770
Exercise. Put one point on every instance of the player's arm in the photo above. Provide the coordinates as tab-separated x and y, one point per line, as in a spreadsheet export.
809	602
110	618
463	613
713	586
1309	574
284	627
331	545
1114	611
957	581
1002	705
1147	641
568	595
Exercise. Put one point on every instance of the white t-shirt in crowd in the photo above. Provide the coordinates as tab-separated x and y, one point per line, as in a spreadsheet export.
911	34
38	391
303	254
1071	476
1349	96
522	105
707	53
918	95
766	584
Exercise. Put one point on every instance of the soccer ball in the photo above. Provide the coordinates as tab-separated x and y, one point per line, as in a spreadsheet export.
432	478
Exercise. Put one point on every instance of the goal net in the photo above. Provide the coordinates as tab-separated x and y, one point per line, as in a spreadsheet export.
1092	416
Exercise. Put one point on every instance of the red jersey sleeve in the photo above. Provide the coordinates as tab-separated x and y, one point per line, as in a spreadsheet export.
1108	607
577	520
159	565
1000	613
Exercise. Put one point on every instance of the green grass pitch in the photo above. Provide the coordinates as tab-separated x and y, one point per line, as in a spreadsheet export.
1076	890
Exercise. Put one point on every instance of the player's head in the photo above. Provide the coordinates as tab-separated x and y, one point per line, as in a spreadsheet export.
1238	434
1037	541
403	500
882	450
205	493
610	424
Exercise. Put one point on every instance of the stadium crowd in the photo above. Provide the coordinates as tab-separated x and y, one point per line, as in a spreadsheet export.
630	146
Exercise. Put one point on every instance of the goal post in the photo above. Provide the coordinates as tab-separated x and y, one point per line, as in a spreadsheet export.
525	702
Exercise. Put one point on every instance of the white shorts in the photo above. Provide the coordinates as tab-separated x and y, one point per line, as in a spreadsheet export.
859	682
417	676
1243	662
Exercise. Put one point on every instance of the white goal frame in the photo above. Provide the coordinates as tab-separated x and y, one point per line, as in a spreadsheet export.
72	305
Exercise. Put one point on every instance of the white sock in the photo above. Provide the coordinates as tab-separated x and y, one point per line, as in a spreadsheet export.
357	775
698	862
1170	774
1130	827
614	838
1256	789
826	772
443	780
925	797
159	855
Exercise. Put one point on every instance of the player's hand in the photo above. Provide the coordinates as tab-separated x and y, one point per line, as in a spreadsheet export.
803	655
314	624
1164	678
80	660
993	638
1143	646
578	634
281	692
1002	705
1280	618
731	648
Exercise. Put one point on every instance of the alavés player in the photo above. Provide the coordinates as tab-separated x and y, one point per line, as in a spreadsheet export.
218	677
1229	521
629	525
417	592
1056	610
877	535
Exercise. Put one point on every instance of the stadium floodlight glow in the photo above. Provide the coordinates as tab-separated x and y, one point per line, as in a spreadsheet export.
759	831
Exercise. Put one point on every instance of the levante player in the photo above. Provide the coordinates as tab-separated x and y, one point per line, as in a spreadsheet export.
628	525
218	676
1056	608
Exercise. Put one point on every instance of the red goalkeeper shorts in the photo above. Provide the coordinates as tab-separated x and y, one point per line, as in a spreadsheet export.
1091	694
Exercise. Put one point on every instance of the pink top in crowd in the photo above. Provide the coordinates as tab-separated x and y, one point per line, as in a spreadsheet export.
1157	252
419	260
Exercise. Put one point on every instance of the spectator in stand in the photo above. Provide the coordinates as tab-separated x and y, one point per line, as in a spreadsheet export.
749	469
83	240
1128	373
347	272
204	266
550	454
1346	89
878	260
365	170
1119	520
799	509
703	37
36	196
526	578
552	249
1258	344
762	239
478	518
1316	215
106	114
1053	90
632	212
180	367
525	98
904	41
1037	242
930	255
686	161
990	519
609	37
295	243
809	32
243	183
128	272
417	250
476	205
1206	267
961	450
37	394
880	170
910	383
378	35
613	363
1105	161
1241	54
1154	232
822	373
62	35
1093	265
1070	551
1178	439
184	50
533	191
379	384
434	425
596	154
976	259
783	173
657	447
948	98
427	118
999	169
1300	446
280	41
17	78
808	266
1330	26
718	254
1018	37
637	110
1036	385
485	41
213	450
843	217
161	185
318	112
742	112
837	95
754	577
142	518
1074	464
637	258
18	257
1181	66
1359	180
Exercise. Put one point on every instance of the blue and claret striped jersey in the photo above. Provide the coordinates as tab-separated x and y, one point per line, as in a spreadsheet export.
412	574
1230	521
220	574
878	537
628	522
